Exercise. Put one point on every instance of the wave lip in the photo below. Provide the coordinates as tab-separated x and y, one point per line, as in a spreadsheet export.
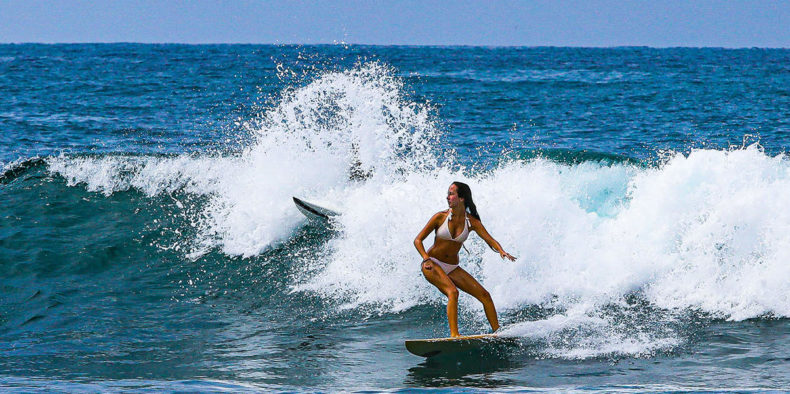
17	168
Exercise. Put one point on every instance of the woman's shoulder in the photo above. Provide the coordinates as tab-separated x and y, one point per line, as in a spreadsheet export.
473	221
437	219
441	214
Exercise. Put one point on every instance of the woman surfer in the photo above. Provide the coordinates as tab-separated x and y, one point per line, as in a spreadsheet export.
440	262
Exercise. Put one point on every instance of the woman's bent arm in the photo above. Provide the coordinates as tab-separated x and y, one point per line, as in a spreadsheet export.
429	227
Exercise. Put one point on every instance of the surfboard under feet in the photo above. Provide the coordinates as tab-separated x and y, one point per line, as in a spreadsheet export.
436	346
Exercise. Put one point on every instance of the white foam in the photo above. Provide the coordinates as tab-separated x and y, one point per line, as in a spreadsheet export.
705	231
305	146
581	333
150	175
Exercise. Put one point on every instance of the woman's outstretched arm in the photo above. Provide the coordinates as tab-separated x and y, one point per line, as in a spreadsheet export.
478	227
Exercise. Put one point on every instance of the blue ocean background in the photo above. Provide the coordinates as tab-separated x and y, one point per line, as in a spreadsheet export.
148	239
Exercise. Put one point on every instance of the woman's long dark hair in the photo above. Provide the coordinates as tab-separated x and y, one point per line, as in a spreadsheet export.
466	193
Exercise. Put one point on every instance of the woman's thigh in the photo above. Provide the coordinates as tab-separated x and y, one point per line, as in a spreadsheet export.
436	276
466	282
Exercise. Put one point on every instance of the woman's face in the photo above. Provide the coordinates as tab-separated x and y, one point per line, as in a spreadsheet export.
452	197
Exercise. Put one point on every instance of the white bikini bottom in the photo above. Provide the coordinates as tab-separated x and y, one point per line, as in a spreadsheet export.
447	268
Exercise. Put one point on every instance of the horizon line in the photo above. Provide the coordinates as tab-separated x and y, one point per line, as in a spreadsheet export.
386	45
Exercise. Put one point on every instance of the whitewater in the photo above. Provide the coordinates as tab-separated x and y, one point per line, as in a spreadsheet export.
619	258
703	231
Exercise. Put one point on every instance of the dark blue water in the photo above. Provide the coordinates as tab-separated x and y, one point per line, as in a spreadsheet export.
148	239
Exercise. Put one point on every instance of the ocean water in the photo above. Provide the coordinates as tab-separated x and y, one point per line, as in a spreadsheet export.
148	240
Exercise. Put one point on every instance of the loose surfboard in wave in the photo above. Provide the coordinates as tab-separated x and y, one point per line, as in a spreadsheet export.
313	211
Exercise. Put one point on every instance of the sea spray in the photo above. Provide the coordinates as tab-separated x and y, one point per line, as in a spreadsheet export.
706	231
703	231
316	143
725	230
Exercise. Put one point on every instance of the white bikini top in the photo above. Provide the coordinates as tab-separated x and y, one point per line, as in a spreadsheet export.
443	232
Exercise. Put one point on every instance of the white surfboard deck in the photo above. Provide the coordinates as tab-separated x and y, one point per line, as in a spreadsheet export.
313	211
436	346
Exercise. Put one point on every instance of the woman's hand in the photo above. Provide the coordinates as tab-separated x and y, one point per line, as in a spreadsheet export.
506	255
426	266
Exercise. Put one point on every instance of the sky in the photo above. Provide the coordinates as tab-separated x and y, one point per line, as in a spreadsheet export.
593	23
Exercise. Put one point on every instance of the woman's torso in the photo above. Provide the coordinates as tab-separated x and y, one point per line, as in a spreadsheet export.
446	250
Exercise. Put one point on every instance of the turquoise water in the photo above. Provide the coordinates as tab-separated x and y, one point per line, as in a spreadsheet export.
148	239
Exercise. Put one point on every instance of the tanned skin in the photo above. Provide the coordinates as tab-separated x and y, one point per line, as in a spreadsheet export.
447	251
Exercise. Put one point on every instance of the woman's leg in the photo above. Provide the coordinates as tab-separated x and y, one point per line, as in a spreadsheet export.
467	283
438	278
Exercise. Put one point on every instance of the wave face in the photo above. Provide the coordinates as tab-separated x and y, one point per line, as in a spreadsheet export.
623	254
703	231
